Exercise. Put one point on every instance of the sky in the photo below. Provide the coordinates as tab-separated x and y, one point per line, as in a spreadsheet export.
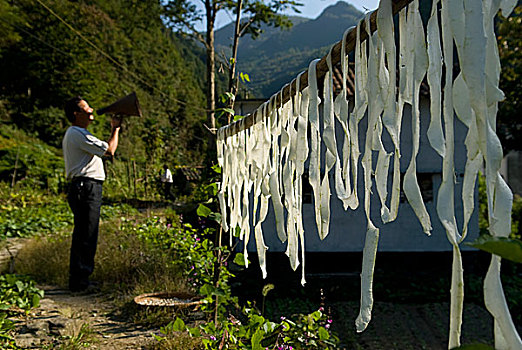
311	9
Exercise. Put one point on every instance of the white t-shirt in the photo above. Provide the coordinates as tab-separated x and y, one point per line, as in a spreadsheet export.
167	176
82	154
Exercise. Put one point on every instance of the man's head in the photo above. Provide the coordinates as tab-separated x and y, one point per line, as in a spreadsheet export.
78	111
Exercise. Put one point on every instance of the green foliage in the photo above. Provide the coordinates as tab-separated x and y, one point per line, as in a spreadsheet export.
506	248
509	39
9	17
20	292
304	331
83	338
16	292
49	62
516	212
34	163
29	212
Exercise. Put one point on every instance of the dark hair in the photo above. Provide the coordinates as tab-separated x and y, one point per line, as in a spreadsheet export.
72	106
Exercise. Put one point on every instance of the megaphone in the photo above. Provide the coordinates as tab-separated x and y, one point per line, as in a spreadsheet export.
126	106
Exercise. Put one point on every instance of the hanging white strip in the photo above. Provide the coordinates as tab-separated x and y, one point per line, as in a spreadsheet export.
222	186
420	64
464	112
260	155
372	232
445	199
302	155
275	192
474	63
315	151
358	112
343	186
391	118
383	161
235	183
292	250
331	147
507	7
246	188
435	135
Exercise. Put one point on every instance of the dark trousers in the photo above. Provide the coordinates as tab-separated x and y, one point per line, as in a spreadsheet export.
168	190
84	197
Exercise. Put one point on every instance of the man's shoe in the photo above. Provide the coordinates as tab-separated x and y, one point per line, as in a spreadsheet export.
91	288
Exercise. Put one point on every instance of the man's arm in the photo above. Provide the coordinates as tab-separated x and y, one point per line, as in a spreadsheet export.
113	140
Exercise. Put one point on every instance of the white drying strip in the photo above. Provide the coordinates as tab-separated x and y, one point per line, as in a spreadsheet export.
267	160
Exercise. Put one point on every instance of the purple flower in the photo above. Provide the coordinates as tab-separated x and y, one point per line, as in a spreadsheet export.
192	267
197	239
329	321
283	318
169	225
321	308
212	337
327	326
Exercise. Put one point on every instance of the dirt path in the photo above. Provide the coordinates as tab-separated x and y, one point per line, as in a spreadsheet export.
60	319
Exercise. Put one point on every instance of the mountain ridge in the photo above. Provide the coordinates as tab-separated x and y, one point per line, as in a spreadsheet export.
280	55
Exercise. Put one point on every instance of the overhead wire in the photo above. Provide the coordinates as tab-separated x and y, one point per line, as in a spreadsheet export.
111	59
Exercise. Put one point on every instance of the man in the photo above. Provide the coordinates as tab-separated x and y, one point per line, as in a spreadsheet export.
82	154
167	180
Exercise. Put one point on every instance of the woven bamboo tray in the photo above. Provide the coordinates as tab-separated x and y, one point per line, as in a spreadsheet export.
168	299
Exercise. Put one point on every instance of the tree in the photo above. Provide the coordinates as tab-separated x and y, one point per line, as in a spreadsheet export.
183	15
510	42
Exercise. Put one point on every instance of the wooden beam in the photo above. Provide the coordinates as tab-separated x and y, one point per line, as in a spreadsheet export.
322	67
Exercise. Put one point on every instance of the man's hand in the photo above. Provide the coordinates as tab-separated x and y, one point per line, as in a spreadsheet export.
116	121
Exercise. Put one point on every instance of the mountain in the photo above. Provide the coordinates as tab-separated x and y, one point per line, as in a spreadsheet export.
277	56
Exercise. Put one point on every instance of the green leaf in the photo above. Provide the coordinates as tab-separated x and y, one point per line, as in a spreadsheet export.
267	288
506	248
35	301
20	285
238	117
216	217
239	259
179	325
194	332
203	211
323	333
256	340
316	315
228	110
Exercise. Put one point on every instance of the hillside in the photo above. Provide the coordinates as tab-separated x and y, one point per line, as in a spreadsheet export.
277	56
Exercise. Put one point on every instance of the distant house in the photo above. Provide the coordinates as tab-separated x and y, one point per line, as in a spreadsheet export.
348	228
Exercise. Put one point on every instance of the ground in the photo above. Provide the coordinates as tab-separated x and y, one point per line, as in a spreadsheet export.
394	326
409	324
60	318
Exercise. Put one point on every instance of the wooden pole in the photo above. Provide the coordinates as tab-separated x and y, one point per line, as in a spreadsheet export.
322	67
134	178
15	167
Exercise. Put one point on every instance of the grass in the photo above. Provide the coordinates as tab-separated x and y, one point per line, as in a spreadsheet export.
125	266
81	337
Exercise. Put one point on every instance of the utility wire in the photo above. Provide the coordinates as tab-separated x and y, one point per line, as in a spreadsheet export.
114	61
